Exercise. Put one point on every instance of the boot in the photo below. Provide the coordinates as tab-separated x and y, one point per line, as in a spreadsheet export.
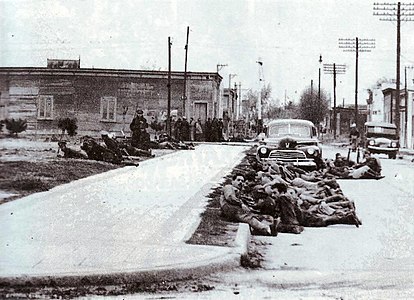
274	226
289	228
265	232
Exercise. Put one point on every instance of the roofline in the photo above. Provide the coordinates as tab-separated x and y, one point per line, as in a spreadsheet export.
402	90
101	72
383	124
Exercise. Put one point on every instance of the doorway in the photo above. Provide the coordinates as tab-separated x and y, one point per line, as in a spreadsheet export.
200	111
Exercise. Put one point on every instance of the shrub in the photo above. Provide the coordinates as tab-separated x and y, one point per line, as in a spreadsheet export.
16	126
69	125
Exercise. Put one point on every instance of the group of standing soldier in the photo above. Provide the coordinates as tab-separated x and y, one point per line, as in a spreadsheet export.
194	130
182	130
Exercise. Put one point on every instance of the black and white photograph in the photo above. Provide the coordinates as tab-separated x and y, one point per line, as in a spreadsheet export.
206	149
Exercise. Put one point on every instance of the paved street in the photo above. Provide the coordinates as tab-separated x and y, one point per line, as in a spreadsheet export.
125	220
374	261
95	226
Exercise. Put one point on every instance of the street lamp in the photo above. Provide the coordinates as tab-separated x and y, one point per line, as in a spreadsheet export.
259	100
230	101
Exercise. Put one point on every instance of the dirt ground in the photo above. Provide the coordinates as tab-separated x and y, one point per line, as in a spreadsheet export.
34	166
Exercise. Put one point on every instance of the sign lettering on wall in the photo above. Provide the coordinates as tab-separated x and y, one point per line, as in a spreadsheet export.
63	64
200	92
134	89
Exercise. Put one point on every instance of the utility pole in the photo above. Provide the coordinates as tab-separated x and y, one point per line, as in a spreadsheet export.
220	104
334	69
311	87
406	110
230	99
319	81
220	66
259	100
185	73
396	12
234	107
406	105
239	102
230	102
169	88
356	45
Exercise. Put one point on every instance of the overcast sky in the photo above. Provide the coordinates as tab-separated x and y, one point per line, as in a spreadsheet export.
287	35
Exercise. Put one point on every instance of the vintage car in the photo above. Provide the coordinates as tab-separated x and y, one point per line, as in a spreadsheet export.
291	141
381	137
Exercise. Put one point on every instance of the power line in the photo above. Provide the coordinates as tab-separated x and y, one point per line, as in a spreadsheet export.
356	45
334	69
395	12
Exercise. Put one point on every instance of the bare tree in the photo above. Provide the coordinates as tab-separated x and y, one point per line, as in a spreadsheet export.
313	108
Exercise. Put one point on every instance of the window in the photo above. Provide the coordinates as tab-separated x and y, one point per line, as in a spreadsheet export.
108	109
45	107
289	129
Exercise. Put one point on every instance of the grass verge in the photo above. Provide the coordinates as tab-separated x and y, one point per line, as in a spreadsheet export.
213	228
27	177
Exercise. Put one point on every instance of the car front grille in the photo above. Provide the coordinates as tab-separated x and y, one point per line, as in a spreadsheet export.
287	155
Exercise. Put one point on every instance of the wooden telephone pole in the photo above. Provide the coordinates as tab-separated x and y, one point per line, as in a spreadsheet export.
334	69
396	12
356	45
185	73
169	88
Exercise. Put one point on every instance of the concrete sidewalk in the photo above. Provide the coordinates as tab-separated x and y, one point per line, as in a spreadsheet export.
128	224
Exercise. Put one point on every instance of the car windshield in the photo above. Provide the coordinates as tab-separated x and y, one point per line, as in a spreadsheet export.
378	131
278	130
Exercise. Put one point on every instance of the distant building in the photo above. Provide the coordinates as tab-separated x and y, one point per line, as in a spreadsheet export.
228	110
345	116
406	112
376	108
101	99
229	103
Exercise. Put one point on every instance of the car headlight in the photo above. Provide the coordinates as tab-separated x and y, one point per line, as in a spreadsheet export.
393	144
310	151
263	150
371	142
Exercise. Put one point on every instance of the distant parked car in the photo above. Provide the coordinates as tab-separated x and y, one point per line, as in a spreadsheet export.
381	137
291	141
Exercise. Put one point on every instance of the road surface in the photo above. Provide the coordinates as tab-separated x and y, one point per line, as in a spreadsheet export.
374	261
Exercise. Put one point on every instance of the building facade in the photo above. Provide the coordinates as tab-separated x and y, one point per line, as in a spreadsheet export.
406	113
345	116
102	99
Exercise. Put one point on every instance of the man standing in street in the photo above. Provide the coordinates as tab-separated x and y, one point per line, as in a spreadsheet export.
198	131
207	130
192	129
138	126
221	126
185	130
354	137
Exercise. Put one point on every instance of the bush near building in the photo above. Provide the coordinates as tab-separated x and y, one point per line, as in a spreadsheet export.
16	126
68	125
